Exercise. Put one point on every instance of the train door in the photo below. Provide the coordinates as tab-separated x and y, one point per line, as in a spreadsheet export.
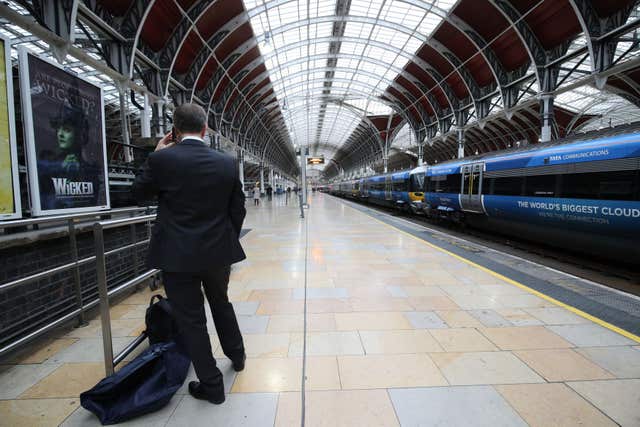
471	193
388	188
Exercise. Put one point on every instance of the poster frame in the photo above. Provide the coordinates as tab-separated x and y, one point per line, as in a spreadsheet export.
29	138
13	143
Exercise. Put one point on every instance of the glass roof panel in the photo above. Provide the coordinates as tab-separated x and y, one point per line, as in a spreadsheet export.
321	68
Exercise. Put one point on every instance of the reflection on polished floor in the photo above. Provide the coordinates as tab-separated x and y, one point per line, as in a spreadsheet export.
398	333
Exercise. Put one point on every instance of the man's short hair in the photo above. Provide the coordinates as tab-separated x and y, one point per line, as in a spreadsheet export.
189	118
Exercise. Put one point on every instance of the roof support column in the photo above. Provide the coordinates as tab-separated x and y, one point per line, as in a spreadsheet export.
241	168
158	118
303	170
420	153
261	178
145	118
271	179
460	132
547	117
124	122
60	17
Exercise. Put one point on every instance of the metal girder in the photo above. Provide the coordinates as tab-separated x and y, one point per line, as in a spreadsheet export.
363	119
257	122
350	56
121	52
195	72
534	48
430	99
437	77
166	56
363	93
59	16
452	99
391	83
276	144
356	113
602	45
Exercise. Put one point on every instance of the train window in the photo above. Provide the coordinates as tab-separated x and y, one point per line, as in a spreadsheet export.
417	182
616	185
435	183
540	186
475	183
580	186
508	186
399	186
453	183
465	183
620	185
445	183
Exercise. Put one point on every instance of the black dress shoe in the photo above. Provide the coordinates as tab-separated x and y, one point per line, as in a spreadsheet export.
238	365
198	391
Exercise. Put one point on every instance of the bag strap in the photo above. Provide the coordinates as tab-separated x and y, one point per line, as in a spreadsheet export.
153	297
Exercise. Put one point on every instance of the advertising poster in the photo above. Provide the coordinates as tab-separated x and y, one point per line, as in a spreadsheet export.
9	184
64	138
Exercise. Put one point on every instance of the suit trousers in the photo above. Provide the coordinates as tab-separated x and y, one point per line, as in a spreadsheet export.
187	302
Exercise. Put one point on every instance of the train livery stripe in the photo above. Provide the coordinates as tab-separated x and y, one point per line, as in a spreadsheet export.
577	311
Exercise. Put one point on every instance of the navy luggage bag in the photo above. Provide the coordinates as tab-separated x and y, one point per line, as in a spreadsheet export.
144	385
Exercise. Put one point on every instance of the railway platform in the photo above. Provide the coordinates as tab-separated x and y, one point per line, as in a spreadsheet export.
352	318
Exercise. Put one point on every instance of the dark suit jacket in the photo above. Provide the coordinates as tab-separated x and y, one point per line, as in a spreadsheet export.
200	207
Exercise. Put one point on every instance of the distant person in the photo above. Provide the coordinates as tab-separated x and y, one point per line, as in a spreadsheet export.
256	195
269	192
287	194
195	241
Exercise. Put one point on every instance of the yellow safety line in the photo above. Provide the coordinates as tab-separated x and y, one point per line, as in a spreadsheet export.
577	311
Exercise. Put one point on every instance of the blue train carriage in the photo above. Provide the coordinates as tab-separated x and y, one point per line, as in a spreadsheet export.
402	190
416	189
583	195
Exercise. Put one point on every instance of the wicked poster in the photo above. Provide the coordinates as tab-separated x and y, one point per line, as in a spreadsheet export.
9	184
64	135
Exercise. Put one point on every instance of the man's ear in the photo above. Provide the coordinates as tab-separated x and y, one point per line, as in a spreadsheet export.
203	131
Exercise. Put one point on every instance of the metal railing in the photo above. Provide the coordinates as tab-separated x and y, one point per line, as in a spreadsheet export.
72	221
105	293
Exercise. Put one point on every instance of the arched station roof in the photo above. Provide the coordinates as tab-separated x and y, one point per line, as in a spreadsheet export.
342	77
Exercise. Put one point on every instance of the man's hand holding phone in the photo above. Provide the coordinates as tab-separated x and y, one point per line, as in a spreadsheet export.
166	142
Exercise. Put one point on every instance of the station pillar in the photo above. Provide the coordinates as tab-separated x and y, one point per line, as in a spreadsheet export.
241	169
303	168
158	115
261	179
547	119
124	125
145	118
460	131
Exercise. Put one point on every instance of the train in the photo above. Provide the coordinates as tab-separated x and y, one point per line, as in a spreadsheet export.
582	195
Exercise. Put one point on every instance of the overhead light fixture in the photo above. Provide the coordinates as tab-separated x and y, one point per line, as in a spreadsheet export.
267	46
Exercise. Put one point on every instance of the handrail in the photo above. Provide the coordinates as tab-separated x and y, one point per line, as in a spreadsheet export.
64	267
125	221
67	217
104	293
77	263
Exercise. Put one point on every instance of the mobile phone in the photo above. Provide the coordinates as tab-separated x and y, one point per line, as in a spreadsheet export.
173	134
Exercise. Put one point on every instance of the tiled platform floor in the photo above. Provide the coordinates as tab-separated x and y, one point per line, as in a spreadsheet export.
398	334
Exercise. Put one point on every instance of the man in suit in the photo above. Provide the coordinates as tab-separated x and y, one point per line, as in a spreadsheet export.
195	240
